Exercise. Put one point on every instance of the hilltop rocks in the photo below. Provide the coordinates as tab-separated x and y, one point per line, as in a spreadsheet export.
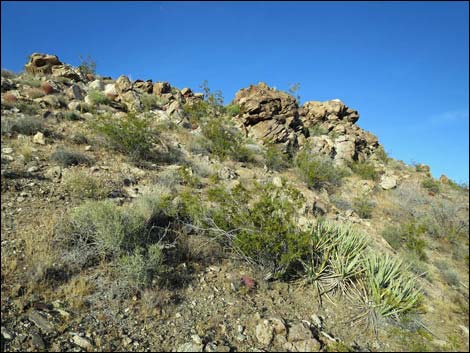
41	63
269	115
339	137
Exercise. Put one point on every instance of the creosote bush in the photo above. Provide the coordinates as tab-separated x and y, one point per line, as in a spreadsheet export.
365	170
318	172
431	185
27	125
67	158
130	135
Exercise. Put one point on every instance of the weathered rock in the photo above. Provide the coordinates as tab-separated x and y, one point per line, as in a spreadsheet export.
388	182
160	88
39	138
186	92
299	332
82	342
96	85
269	115
444	179
313	112
123	84
41	64
143	86
309	345
190	347
75	92
6	334
225	173
264	332
67	71
54	173
7	85
41	322
132	101
37	341
110	90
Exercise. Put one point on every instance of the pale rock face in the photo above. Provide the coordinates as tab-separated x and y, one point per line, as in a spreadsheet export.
110	90
41	64
96	85
388	182
123	84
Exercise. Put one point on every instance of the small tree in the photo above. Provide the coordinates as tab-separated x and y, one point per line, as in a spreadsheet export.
87	66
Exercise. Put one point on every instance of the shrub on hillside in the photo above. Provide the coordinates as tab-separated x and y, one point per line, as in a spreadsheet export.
275	158
97	97
81	184
318	172
130	135
365	170
363	206
431	185
67	158
27	125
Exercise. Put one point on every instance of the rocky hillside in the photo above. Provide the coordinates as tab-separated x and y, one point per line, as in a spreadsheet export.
137	216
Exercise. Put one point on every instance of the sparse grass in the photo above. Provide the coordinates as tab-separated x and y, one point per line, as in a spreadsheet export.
382	155
232	110
130	135
81	184
431	185
27	125
139	268
340	203
25	149
363	206
67	158
317	130
97	97
365	170
276	159
29	80
409	235
34	93
72	116
318	172
151	101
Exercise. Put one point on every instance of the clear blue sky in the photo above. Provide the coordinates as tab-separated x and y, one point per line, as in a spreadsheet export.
404	66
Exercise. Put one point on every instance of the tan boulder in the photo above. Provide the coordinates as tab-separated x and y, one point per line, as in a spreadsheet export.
41	63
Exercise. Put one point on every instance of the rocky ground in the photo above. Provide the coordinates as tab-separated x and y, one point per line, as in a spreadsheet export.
209	298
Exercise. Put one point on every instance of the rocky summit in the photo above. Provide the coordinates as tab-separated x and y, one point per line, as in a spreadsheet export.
138	216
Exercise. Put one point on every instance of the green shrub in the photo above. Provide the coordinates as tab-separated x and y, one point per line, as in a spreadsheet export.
87	66
232	110
363	206
451	277
382	155
68	158
72	116
97	97
365	170
29	80
448	220
276	159
131	135
317	171
225	141
139	268
27	125
431	185
151	101
81	184
317	130
407	235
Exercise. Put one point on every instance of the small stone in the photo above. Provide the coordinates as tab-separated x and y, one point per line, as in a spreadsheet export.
264	332
299	332
388	182
33	169
37	341
6	334
277	181
7	150
196	339
82	342
54	173
87	148
40	321
189	347
278	325
39	139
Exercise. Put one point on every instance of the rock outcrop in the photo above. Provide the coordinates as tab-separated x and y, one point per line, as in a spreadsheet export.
269	115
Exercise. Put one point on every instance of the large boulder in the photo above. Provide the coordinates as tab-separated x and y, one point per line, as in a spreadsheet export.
41	64
269	115
335	133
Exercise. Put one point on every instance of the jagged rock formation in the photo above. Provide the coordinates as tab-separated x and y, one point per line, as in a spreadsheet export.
327	127
269	115
41	63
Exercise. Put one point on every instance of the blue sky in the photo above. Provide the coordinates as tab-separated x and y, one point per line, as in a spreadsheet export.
402	65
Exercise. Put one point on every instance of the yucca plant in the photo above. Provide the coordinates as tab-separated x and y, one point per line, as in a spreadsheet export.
346	260
388	290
